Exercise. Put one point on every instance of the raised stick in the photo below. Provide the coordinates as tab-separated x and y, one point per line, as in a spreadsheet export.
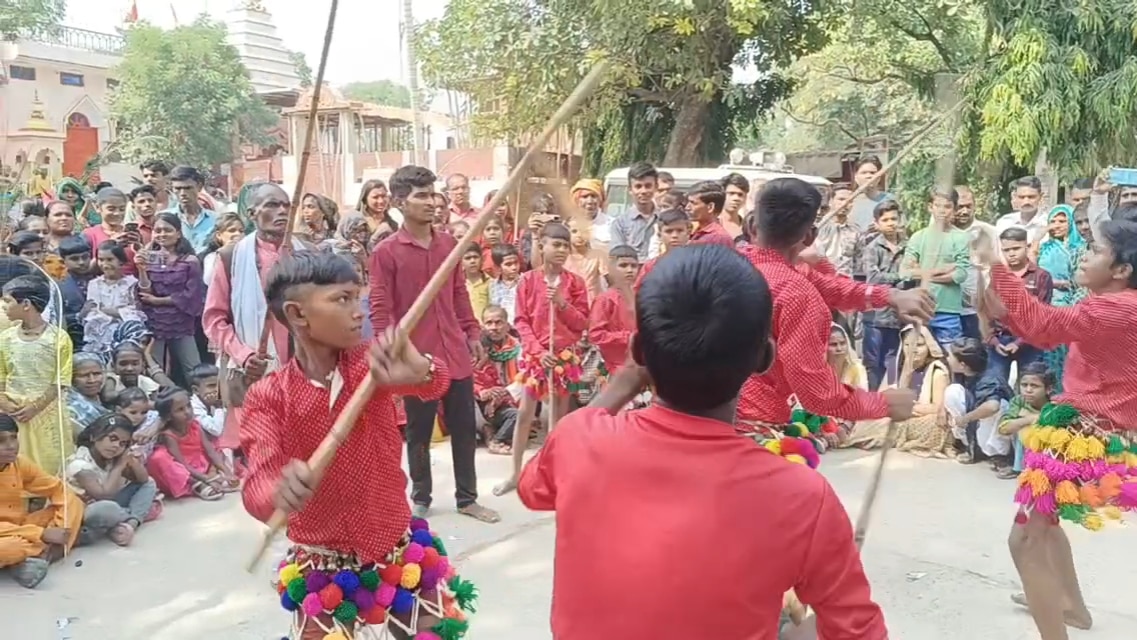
344	423
305	155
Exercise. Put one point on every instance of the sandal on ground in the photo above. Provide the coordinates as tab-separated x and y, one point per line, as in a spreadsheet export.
1007	473
206	491
122	534
500	448
480	513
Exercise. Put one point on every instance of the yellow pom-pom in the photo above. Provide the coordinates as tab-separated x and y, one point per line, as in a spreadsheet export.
288	573
1067	493
1078	449
775	446
1039	483
566	354
559	370
1093	522
1095	448
793	457
1059	438
1035	440
1131	459
1111	512
336	635
412	573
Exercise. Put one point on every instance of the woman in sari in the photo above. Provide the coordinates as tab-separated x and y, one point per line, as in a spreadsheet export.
84	404
923	368
846	364
70	191
318	219
1056	254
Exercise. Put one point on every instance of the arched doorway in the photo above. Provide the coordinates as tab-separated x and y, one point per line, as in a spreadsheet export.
81	144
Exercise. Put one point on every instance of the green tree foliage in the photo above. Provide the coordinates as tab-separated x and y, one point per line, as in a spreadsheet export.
29	17
303	69
384	92
1061	77
672	62
184	94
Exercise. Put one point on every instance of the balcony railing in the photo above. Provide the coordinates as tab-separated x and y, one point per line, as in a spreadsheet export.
82	39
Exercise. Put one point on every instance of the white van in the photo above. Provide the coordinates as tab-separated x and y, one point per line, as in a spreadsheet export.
617	199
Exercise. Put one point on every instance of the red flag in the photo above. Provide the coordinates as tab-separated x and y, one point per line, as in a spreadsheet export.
132	15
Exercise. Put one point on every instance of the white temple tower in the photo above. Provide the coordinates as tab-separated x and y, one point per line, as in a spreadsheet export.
253	33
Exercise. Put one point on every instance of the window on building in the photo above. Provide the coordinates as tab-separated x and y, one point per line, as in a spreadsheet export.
71	79
17	72
112	83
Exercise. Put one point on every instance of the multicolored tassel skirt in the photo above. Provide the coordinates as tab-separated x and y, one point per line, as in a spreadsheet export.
791	441
564	377
344	596
1076	469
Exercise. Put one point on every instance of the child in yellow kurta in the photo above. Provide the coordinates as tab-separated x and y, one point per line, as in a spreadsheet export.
35	367
29	542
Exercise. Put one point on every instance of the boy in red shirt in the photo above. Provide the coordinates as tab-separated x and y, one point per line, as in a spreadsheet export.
632	490
545	289
705	202
358	557
612	319
674	231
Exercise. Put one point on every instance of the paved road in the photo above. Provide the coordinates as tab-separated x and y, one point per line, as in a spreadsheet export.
936	556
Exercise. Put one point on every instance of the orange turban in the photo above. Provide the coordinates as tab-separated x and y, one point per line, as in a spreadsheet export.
591	185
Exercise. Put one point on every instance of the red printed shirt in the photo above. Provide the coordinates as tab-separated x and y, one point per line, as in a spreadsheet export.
645	269
1039	284
360	505
1102	362
650	476
532	318
610	327
800	328
712	233
400	270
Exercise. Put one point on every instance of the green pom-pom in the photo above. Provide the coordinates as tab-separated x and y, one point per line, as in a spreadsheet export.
465	593
436	542
297	590
451	628
369	580
1115	446
1058	415
1072	512
347	612
1133	447
795	430
799	415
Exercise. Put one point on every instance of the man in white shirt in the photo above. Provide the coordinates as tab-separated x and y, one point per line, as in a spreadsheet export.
965	217
589	196
1026	198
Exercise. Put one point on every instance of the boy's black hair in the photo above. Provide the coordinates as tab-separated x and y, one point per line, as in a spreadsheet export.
8	424
689	309
543	203
622	251
129	396
157	166
944	193
1121	235
73	245
202	372
21	240
711	192
33	208
1127	211
1039	370
104	195
472	248
164	400
103	185
1013	234
32	288
642	171
186	173
863	160
141	189
885	206
971	353
556	231
101	426
409	177
672	216
736	180
789	209
840	186
664	176
13	267
500	251
115	249
123	347
315	268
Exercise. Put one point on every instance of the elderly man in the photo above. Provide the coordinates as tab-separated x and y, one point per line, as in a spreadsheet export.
589	196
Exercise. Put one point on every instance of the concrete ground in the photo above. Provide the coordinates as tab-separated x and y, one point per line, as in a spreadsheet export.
936	556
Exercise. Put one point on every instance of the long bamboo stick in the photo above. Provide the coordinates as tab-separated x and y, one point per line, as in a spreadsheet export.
305	156
344	423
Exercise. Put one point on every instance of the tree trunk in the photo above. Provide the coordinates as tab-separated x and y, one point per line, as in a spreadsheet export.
691	116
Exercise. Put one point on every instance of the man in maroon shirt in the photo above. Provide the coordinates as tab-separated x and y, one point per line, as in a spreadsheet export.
705	201
400	268
458	190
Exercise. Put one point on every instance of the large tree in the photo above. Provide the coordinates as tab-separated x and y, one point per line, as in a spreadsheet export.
184	94
383	92
672	63
29	17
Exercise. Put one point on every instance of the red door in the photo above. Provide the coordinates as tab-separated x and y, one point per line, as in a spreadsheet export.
81	144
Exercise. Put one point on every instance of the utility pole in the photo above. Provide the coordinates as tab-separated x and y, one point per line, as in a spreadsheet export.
408	29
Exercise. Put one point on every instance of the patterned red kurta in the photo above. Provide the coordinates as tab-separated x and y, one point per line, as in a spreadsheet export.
361	504
532	319
1102	363
610	327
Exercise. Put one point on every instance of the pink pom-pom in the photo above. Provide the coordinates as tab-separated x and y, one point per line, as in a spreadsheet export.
312	605
1046	503
1034	460
413	553
427	635
1127	499
385	595
1023	495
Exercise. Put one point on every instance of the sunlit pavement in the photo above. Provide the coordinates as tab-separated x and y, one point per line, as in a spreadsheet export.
936	555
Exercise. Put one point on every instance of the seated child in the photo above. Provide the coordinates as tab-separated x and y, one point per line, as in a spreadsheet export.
144	421
477	282
184	461
354	522
459	229
112	298
974	403
648	474
494	382
107	472
129	361
503	289
30	542
205	398
1036	384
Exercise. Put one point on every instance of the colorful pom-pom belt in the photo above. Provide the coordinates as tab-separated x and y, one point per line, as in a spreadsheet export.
344	596
790	441
1076	469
